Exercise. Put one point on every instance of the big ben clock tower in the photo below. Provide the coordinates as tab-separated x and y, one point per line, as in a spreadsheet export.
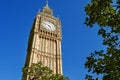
45	41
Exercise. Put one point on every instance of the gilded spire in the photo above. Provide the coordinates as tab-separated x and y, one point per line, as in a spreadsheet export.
47	4
47	10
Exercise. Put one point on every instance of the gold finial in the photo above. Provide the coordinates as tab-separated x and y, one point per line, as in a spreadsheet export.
47	4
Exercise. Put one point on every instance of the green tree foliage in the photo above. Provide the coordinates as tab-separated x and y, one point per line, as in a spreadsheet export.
105	62
39	72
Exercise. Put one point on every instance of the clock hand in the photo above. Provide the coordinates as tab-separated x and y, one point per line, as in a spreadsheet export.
49	26
46	26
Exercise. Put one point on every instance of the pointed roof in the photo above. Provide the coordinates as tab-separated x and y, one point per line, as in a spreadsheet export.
47	6
47	10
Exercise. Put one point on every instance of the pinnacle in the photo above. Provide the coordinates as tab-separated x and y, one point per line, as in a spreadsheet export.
47	6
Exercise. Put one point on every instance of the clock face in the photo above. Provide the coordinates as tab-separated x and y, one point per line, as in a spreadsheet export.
48	25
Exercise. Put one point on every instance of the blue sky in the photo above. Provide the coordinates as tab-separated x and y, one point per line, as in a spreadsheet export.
16	19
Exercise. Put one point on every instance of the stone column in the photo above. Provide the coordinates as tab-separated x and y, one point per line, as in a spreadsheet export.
41	44
60	58
54	65
59	64
45	45
50	46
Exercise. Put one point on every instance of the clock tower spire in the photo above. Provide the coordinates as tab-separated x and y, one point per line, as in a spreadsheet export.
44	42
47	4
47	10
